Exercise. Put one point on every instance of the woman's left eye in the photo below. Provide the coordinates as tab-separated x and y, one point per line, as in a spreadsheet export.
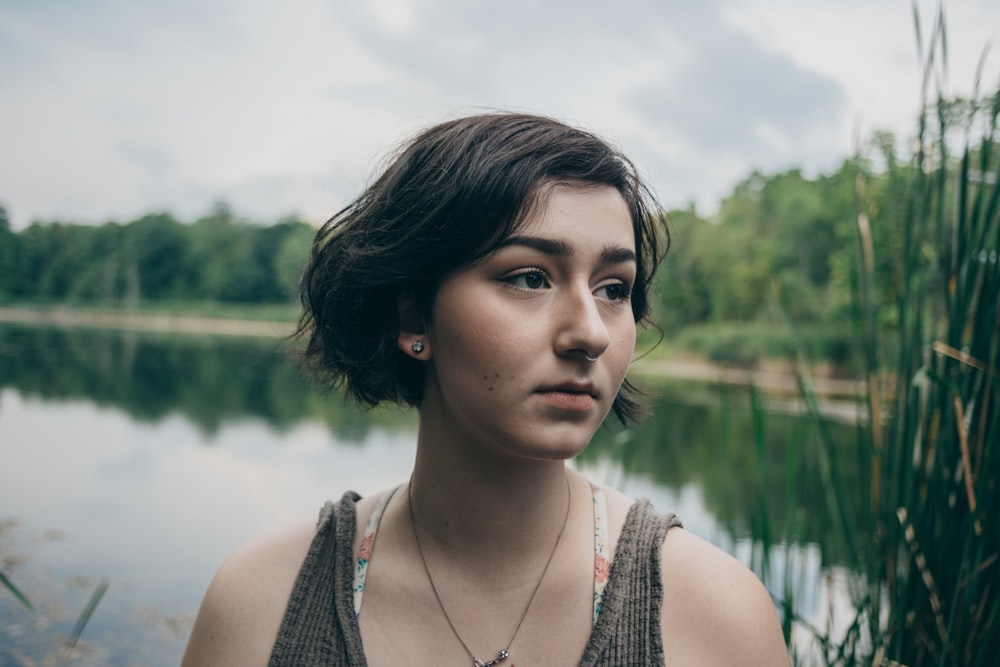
614	292
528	280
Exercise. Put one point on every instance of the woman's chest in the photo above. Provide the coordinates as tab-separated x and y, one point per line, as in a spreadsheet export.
404	620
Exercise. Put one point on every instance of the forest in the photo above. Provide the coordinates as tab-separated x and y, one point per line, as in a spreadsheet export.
157	257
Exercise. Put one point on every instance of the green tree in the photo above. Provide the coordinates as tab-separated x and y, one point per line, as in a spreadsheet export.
10	264
291	257
152	248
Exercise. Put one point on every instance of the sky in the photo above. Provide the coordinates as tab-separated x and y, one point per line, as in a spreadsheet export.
110	109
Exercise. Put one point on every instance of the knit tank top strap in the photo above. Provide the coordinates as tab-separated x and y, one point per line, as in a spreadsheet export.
365	550
601	560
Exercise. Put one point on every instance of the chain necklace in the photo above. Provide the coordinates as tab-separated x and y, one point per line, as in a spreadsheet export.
503	654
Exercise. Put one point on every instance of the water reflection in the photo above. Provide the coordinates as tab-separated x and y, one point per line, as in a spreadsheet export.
154	457
209	380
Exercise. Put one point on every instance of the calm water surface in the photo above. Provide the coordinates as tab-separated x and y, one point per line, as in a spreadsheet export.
146	460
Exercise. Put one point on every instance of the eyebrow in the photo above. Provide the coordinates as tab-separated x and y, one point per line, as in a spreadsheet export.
609	255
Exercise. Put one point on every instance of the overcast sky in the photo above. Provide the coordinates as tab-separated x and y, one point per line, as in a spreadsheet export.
113	108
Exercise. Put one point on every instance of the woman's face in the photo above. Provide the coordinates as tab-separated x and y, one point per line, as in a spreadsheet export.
508	338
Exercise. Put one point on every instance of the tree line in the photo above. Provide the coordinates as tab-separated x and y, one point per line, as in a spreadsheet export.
788	240
782	246
218	257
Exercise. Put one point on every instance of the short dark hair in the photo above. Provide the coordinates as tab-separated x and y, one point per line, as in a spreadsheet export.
447	197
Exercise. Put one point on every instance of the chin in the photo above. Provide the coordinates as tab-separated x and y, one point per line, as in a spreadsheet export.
562	449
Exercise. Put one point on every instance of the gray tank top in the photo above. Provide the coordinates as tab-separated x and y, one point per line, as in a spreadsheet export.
320	627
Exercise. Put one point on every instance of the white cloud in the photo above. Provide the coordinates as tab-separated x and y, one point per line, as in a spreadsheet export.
871	49
114	108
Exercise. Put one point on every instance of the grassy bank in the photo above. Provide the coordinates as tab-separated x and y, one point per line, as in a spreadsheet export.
202	319
266	312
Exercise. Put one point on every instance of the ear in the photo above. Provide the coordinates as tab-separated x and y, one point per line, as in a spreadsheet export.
412	339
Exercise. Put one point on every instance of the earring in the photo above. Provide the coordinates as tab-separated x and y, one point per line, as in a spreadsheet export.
417	347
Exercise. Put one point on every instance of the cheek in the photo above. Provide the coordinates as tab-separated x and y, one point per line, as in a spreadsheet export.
488	354
468	338
491	379
482	331
468	345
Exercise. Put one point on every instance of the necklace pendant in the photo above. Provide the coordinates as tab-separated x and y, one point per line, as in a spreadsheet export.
495	661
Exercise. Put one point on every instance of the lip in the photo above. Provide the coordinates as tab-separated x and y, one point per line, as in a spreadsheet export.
571	387
573	395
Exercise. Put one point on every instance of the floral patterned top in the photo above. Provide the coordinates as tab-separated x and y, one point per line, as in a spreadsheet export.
601	560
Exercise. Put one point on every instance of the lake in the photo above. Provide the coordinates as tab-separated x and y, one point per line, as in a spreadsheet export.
145	459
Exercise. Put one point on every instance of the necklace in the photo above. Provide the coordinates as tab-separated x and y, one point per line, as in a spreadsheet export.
503	654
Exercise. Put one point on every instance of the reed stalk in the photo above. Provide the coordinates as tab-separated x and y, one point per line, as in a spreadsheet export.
925	583
16	592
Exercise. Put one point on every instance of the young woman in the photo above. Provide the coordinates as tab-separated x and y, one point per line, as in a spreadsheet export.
492	277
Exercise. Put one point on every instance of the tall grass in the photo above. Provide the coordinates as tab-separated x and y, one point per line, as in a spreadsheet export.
924	587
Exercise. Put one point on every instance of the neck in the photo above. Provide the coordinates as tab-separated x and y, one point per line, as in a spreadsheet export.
487	535
488	510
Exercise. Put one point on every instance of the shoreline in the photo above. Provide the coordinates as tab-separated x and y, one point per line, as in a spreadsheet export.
64	317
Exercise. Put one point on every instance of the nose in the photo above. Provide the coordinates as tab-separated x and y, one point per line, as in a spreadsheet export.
582	331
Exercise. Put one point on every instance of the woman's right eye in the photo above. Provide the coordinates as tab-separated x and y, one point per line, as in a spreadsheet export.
532	279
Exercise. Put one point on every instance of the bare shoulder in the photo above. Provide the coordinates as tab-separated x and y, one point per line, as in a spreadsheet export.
715	610
242	610
618	505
